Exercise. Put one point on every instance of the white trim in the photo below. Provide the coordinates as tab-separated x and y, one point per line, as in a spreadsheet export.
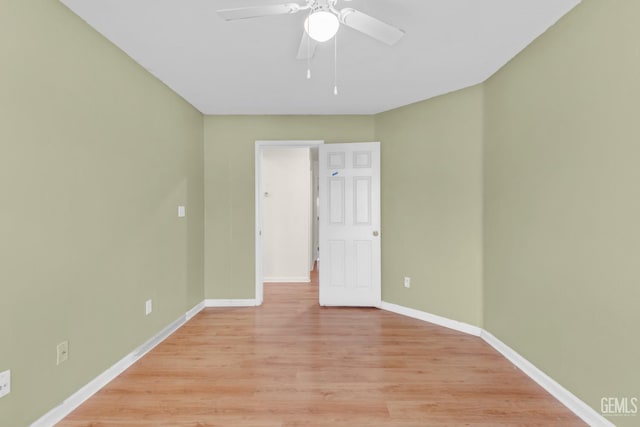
431	318
260	145
564	396
231	302
568	399
79	397
195	310
301	279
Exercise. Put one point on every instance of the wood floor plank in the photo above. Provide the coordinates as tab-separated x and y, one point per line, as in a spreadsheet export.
292	363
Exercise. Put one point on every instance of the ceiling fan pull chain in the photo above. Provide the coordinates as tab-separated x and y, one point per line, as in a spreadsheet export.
309	51
335	64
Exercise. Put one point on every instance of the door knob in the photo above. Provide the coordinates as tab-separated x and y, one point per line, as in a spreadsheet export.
375	233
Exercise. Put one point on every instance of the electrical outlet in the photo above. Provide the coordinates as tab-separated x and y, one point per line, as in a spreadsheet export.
407	282
181	212
5	383
62	352
148	307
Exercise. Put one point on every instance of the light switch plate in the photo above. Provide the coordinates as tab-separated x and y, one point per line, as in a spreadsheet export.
5	383
62	352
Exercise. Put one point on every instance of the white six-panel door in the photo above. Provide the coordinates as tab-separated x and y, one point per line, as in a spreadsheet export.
350	224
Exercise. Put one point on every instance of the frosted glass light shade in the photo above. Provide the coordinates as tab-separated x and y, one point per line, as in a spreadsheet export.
321	26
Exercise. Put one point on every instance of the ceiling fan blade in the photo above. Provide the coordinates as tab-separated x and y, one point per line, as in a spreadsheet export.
259	11
371	26
307	47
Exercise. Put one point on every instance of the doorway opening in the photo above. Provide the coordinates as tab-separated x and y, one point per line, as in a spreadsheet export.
286	200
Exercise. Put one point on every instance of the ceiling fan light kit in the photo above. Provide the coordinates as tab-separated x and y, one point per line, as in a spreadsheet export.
321	25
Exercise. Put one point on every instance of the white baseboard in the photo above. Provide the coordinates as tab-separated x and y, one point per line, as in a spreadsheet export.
231	302
301	279
431	318
195	310
79	397
568	399
564	396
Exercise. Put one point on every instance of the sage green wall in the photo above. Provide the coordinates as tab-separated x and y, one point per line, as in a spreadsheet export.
562	202
229	182
95	157
432	205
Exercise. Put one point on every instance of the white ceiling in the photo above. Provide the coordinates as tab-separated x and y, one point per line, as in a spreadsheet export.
250	66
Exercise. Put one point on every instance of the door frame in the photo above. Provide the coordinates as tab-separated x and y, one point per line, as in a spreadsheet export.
260	145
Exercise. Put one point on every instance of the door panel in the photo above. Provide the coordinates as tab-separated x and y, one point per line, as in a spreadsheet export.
349	224
336	201
362	190
363	263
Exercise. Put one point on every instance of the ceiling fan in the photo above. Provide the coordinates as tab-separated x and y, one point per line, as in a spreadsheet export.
322	22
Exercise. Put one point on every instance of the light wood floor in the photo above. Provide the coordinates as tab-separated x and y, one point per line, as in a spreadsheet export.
291	363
